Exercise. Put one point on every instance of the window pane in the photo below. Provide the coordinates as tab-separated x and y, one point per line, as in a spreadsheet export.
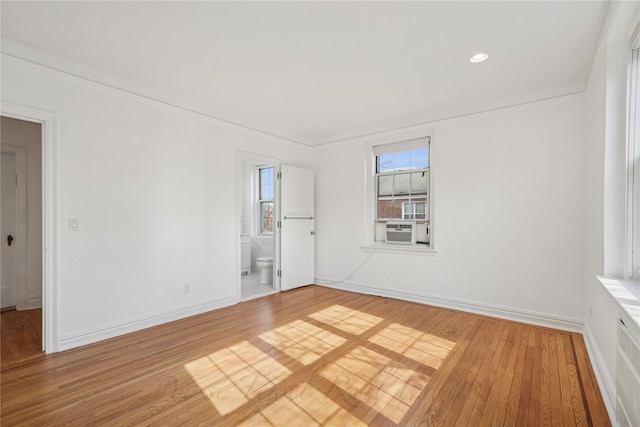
401	184
407	210
385	185
266	217
420	208
389	209
414	210
420	159
385	163
419	183
402	161
266	184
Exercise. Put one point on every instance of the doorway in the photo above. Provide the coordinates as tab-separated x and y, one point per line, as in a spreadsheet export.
257	215
21	239
9	254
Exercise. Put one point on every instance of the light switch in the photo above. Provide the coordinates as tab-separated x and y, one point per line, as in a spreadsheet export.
73	224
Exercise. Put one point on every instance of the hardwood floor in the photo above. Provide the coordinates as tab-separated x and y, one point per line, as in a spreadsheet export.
315	356
20	336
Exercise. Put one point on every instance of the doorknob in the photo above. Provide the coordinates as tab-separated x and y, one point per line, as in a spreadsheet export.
9	239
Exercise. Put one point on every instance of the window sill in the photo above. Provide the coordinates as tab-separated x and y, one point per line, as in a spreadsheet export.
627	294
389	248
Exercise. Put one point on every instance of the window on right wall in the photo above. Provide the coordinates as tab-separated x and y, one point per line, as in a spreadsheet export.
633	171
402	191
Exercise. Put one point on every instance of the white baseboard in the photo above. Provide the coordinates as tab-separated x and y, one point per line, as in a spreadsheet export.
530	317
606	382
33	303
88	337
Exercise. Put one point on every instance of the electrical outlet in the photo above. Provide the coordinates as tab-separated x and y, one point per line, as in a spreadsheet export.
186	289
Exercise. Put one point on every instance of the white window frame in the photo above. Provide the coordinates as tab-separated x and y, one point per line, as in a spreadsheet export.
389	143
261	201
413	210
632	223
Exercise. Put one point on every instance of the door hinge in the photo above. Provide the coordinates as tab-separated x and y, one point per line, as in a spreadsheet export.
279	273
279	224
279	176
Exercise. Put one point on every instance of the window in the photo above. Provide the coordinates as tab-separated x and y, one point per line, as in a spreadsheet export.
414	210
265	200
633	171
401	188
402	182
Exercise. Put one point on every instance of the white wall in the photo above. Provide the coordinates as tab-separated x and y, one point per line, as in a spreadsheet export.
508	199
154	189
19	133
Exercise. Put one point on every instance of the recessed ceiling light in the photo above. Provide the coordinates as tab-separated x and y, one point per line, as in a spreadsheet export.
479	57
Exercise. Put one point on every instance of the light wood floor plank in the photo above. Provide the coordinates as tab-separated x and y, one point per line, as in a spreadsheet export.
477	396
311	356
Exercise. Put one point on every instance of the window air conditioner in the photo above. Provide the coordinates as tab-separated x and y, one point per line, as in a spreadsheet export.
401	232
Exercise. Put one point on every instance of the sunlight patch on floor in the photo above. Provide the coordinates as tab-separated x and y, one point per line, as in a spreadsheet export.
416	345
348	320
234	375
364	380
385	385
303	341
303	406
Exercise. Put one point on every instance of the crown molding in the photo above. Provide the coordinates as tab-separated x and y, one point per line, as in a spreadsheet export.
20	52
12	49
429	120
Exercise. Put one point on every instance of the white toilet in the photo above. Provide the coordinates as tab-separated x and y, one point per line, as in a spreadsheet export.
265	267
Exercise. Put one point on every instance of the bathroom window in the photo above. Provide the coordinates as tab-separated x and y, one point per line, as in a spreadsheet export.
265	200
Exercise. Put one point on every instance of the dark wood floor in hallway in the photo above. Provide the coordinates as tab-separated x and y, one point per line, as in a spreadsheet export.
20	336
315	356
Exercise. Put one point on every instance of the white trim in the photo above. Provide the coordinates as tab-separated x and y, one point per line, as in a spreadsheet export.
612	10
632	197
626	294
94	335
501	312
20	156
47	121
605	381
12	50
394	147
426	121
388	248
32	303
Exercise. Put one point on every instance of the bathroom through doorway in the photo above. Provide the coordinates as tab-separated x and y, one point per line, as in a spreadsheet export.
258	194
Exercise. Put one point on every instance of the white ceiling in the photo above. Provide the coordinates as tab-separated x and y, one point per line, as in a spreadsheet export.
316	72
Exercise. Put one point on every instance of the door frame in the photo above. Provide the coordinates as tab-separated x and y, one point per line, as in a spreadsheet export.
47	120
245	156
20	157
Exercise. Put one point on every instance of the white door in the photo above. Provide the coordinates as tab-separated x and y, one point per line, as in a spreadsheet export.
297	227
8	254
